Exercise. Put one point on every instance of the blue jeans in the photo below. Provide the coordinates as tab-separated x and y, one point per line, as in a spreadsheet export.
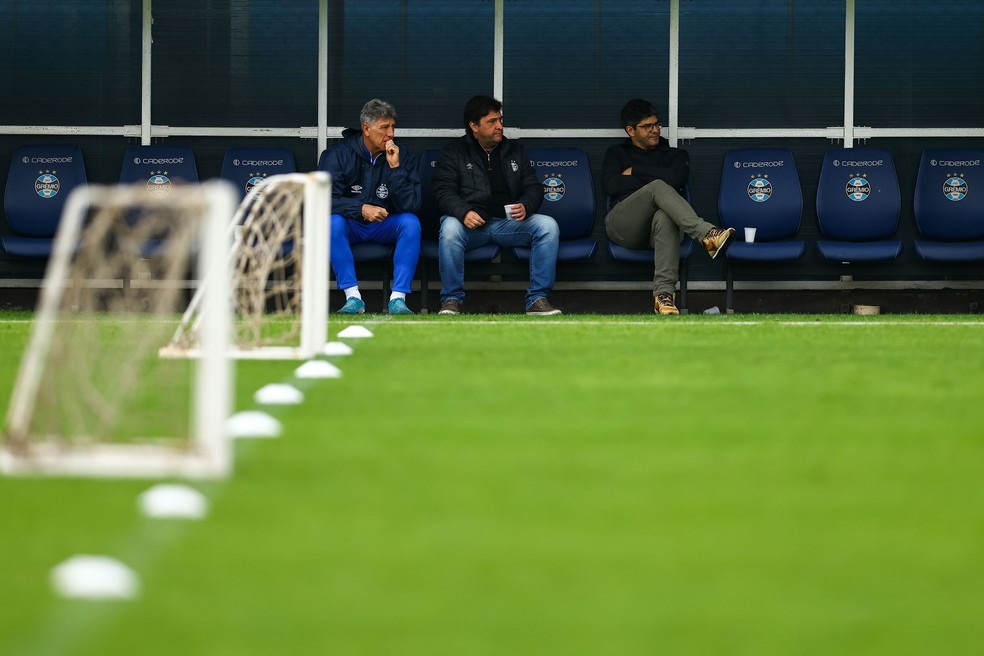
400	229
538	231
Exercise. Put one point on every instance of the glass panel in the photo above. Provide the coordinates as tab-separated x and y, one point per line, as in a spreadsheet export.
241	64
427	58
574	64
919	64
769	64
70	63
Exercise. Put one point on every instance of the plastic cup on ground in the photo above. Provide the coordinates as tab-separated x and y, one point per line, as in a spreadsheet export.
749	235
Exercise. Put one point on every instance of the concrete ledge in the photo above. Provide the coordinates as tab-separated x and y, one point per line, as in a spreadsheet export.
928	297
593	285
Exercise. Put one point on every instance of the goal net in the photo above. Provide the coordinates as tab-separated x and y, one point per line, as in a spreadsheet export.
280	283
92	395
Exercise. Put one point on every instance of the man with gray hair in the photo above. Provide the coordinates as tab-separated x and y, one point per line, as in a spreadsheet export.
375	195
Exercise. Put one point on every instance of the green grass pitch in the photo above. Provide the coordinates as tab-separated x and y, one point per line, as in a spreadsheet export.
574	485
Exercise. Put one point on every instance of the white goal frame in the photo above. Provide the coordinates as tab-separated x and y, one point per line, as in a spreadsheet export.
209	454
315	253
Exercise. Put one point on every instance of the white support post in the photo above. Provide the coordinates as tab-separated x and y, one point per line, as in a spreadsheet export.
849	74
674	91
145	72
497	54
322	77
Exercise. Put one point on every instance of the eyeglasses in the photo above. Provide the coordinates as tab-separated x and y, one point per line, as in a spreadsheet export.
652	127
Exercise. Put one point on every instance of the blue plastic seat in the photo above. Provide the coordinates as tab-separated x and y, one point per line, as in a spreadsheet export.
568	196
38	183
159	167
430	226
760	188
246	168
949	205
648	256
858	205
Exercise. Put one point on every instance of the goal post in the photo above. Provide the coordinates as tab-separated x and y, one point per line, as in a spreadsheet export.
317	231
92	397
280	251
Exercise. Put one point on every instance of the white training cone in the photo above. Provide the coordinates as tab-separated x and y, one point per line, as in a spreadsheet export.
252	423
167	501
337	348
355	332
94	577
278	394
318	369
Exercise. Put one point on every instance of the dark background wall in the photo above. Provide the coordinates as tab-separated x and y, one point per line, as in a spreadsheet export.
567	64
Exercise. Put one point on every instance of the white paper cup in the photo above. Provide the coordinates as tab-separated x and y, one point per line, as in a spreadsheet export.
508	209
749	234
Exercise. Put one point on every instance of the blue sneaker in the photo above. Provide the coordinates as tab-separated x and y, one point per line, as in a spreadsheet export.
352	305
398	306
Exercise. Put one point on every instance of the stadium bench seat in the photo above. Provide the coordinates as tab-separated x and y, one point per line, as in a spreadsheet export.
858	205
159	167
38	183
568	196
647	256
949	205
760	189
246	168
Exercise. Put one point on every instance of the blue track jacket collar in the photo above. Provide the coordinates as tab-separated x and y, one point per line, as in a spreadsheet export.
357	180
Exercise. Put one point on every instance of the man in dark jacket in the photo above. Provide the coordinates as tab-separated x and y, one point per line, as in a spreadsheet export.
486	188
644	179
375	192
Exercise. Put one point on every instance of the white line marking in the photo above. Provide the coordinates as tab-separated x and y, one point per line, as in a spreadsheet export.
637	322
671	322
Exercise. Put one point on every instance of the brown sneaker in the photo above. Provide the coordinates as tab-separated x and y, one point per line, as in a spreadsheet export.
717	241
542	307
664	304
450	306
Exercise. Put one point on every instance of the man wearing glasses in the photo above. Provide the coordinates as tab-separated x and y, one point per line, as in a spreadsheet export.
644	178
